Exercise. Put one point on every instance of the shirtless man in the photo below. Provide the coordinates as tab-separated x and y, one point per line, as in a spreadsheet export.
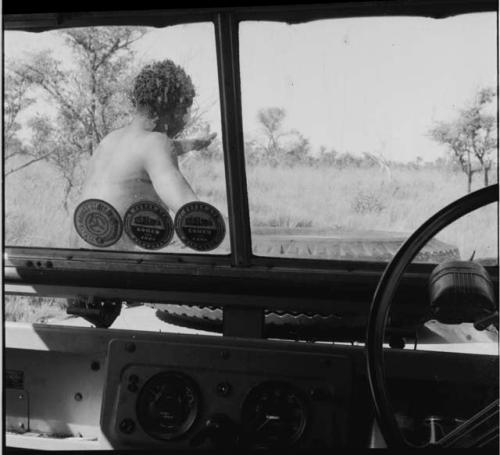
139	161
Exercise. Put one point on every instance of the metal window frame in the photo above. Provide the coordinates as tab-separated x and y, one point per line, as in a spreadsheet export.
23	263
291	13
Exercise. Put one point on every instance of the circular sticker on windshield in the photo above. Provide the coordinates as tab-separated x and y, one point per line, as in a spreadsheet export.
200	226
148	225
98	223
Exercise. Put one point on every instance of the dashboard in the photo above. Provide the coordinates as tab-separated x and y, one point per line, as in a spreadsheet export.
121	389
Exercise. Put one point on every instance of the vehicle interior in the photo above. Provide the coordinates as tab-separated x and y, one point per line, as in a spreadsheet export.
310	298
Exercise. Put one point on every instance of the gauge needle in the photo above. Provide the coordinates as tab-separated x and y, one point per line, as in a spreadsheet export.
269	418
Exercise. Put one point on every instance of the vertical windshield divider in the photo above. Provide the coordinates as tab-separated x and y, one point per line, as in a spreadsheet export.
226	31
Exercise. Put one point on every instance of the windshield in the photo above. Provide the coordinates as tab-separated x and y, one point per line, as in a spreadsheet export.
357	130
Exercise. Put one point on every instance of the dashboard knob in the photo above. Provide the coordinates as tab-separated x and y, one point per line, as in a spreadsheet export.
219	430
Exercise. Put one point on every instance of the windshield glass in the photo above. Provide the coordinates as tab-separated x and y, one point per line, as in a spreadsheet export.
357	130
111	134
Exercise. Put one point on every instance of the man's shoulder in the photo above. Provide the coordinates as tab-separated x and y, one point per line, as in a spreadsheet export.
112	137
158	140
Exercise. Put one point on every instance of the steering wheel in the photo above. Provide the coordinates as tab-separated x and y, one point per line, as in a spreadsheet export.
379	311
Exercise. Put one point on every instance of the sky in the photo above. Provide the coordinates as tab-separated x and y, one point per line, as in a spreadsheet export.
356	85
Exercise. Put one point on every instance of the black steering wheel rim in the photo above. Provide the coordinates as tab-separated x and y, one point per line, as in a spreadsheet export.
384	294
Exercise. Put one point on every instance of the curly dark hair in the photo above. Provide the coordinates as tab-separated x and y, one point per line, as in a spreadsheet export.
164	89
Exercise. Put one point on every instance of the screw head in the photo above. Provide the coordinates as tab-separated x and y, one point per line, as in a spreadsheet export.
78	396
127	426
223	389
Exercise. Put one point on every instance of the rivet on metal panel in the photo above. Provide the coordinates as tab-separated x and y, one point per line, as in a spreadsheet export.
130	347
20	396
78	396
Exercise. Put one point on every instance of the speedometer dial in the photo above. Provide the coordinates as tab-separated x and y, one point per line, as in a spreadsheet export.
274	414
167	405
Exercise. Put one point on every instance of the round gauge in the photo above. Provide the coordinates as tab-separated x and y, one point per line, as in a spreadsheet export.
167	405
274	414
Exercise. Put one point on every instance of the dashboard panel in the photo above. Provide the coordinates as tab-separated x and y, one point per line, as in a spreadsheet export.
197	395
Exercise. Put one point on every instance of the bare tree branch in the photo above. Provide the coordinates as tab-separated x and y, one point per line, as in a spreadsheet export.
12	171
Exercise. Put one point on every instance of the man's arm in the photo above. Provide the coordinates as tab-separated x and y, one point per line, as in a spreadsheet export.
163	170
182	146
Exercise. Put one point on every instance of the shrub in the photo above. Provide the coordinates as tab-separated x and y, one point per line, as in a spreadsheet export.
367	202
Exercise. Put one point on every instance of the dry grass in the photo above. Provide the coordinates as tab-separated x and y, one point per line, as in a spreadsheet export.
33	309
288	197
34	212
355	199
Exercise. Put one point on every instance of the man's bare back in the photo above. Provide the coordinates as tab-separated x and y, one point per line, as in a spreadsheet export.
133	164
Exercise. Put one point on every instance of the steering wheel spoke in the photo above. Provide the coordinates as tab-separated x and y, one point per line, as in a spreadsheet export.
478	428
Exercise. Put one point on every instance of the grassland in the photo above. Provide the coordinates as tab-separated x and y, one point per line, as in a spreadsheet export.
282	197
352	199
33	309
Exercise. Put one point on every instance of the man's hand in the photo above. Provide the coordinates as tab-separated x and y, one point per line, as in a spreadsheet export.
202	143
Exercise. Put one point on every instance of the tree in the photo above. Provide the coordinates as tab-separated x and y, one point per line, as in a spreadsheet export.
480	127
271	121
471	136
378	159
280	146
91	99
16	99
296	148
254	152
